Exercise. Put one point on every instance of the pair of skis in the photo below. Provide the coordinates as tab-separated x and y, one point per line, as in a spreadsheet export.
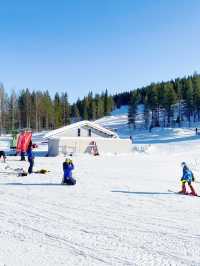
186	194
16	171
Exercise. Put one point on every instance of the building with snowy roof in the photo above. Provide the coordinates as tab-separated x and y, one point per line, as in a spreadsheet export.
85	137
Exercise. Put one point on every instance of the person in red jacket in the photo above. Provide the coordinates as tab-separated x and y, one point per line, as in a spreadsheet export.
23	151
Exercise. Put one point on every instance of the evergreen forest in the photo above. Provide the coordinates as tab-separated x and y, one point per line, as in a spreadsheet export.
164	104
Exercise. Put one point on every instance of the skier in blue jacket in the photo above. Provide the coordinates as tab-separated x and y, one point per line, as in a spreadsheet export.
30	157
188	178
68	167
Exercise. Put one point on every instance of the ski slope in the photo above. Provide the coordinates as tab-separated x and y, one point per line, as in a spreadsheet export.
118	121
120	212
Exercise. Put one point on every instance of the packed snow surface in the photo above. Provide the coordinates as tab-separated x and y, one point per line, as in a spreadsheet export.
119	213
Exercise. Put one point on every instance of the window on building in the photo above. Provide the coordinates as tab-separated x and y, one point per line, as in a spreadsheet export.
79	132
89	132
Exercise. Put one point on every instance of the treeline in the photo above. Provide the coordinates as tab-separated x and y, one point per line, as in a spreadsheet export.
38	111
166	104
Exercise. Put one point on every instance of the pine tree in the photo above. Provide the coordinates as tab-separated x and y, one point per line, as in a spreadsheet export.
57	111
48	105
1	107
65	109
93	110
5	113
132	110
169	100
90	105
146	113
13	111
85	108
99	105
189	98
178	91
152	103
196	96
75	114
24	104
106	102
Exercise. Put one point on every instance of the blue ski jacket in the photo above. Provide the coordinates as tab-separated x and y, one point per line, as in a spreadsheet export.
67	168
187	174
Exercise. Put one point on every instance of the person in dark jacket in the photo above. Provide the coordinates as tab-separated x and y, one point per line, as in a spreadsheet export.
68	167
30	157
2	153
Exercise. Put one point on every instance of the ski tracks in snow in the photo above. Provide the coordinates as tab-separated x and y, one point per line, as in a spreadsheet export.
105	219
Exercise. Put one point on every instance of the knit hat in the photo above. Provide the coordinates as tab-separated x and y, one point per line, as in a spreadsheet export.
183	164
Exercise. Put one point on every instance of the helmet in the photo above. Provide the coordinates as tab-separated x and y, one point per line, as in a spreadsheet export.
183	164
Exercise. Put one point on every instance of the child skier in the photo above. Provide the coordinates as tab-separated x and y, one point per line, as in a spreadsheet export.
68	166
187	178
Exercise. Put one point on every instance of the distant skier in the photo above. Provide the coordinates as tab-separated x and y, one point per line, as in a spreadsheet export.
30	157
68	167
188	178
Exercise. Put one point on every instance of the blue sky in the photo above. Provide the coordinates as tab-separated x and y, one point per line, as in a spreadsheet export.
83	45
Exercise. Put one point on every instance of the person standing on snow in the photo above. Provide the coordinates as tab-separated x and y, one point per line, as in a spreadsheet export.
2	153
68	167
30	157
188	178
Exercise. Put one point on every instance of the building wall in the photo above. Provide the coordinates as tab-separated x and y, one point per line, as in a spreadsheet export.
84	133
84	145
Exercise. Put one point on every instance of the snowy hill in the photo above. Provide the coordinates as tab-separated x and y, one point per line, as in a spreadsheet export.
121	212
118	121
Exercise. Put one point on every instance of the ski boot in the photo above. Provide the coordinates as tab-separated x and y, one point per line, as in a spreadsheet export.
183	191
193	192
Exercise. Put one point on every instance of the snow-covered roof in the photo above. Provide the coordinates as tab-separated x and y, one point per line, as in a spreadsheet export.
79	125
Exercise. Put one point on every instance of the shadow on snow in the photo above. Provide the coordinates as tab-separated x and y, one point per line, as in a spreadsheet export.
142	192
31	184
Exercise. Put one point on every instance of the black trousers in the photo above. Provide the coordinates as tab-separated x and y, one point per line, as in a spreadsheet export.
31	163
23	156
2	153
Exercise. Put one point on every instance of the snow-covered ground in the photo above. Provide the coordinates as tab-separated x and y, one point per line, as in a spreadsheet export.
121	211
118	121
